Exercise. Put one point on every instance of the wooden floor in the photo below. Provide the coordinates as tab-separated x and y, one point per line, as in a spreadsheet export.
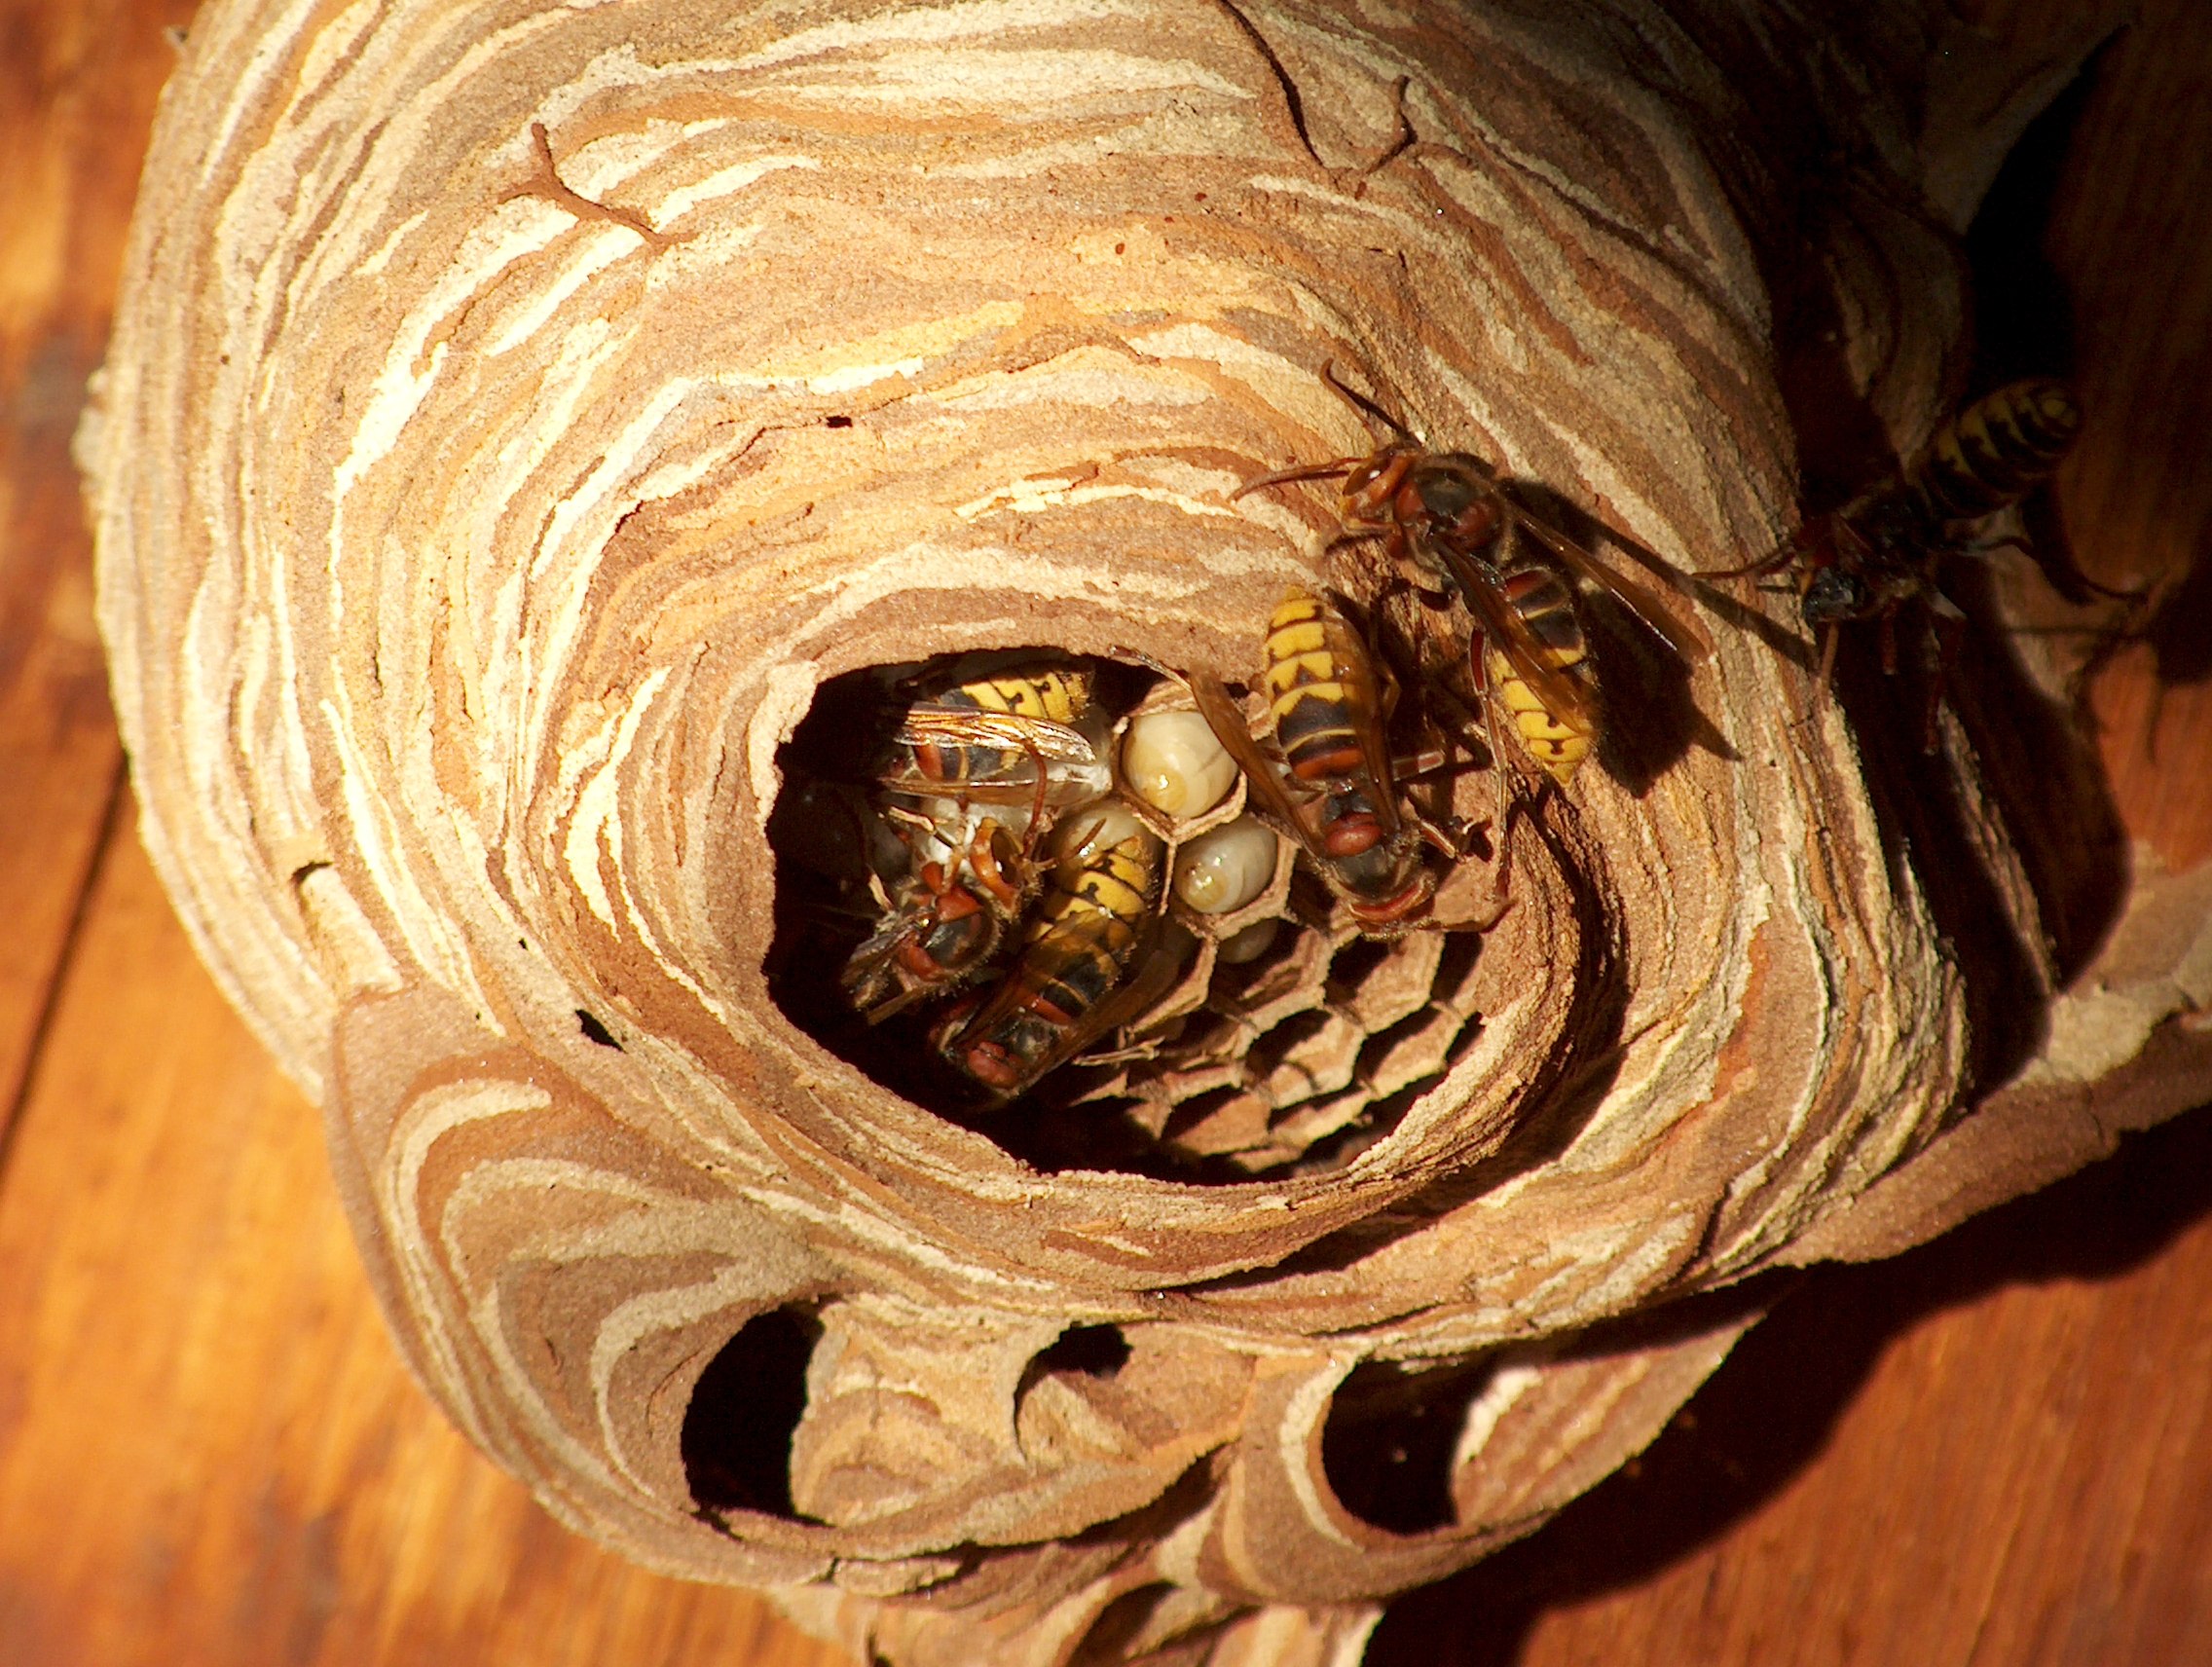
1996	1450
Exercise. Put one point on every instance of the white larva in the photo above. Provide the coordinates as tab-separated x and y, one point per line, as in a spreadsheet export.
1171	761
1227	868
1250	943
1089	829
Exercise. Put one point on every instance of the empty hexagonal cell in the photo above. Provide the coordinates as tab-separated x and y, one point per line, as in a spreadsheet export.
1219	1122
1298	1130
1287	980
1379	989
1413	1050
1304	1056
1211	1040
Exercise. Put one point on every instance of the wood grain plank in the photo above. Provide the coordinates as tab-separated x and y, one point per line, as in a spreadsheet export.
210	1452
77	89
1994	1450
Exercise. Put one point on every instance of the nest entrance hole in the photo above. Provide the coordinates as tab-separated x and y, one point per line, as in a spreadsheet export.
1158	1624
1088	1351
1188	1084
1391	1437
746	1408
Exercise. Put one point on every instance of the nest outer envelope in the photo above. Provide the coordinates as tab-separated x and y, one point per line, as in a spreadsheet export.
473	531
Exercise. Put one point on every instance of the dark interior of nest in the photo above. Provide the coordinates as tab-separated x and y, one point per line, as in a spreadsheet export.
1034	893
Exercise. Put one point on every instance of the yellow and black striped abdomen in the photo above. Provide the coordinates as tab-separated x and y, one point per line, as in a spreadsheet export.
1086	928
1059	696
1997	450
1321	688
945	760
1117	886
1544	604
1086	931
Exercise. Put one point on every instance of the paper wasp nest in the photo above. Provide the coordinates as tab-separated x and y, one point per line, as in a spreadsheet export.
520	415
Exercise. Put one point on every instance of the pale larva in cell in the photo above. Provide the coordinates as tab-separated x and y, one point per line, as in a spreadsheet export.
1227	868
1089	828
1171	761
1250	943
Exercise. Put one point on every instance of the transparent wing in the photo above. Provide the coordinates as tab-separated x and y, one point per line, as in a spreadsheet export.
1262	783
1347	645
927	723
1560	694
1683	635
1064	760
1156	960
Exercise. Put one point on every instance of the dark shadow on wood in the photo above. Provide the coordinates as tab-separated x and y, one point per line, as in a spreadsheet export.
2180	644
1774	1405
2023	318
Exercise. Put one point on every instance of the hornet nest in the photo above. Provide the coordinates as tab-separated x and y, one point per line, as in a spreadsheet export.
522	419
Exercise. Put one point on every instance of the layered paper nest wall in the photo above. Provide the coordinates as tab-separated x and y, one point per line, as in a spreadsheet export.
517	413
